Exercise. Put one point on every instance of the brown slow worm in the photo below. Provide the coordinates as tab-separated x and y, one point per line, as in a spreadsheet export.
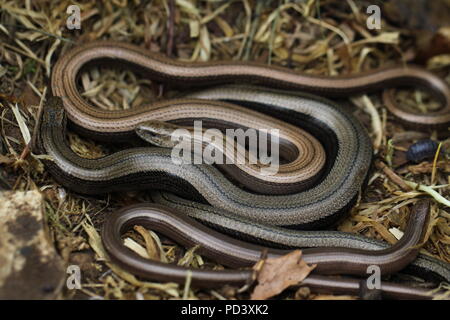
158	67
66	166
235	253
346	143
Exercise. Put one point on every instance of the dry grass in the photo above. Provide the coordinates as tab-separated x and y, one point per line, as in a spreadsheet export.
326	38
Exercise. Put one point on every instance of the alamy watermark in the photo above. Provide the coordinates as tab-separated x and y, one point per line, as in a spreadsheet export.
74	19
74	277
259	147
374	20
373	282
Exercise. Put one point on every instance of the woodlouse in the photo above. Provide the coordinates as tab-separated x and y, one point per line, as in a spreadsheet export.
422	150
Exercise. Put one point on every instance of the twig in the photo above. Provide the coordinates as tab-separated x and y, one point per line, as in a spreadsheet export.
430	191
436	156
272	33
170	28
52	35
187	284
258	9
375	119
392	175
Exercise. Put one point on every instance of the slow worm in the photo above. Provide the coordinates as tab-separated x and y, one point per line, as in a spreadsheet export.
158	172
325	190
235	253
158	67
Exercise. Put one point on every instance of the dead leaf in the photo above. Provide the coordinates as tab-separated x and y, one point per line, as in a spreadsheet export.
6	159
153	251
279	273
427	167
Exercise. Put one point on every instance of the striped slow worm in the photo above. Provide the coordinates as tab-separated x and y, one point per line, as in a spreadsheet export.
161	68
67	166
234	253
332	190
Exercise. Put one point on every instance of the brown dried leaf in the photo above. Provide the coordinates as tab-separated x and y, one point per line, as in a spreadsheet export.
427	167
153	250
279	273
6	159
